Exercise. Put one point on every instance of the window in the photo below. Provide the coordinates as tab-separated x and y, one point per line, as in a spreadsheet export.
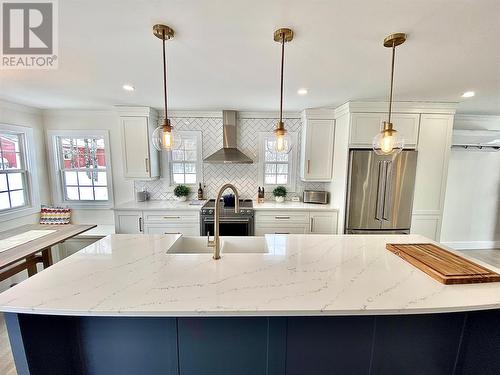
81	167
185	161
13	185
16	195
275	168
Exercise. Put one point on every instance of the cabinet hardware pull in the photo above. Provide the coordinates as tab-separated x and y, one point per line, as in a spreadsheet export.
308	165
171	217
312	224
140	224
171	232
281	232
282	217
147	164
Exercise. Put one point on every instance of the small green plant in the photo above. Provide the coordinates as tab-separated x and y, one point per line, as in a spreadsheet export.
181	191
280	191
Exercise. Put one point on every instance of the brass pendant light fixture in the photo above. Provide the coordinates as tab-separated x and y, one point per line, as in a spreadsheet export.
282	143
164	138
389	141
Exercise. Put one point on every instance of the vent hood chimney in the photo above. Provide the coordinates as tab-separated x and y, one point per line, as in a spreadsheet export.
229	154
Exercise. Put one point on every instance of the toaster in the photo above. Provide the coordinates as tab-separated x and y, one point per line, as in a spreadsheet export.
315	196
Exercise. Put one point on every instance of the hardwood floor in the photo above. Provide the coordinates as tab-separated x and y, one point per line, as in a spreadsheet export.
6	361
7	367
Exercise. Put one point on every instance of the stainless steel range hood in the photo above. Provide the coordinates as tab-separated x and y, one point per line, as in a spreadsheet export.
229	154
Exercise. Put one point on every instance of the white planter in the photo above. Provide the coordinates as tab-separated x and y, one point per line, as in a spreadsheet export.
182	199
280	199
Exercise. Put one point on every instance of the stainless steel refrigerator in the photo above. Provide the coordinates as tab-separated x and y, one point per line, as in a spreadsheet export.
380	192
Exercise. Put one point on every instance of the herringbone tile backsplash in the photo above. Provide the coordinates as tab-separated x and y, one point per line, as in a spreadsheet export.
243	176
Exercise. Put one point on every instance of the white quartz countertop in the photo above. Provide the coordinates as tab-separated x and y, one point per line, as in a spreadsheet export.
289	205
133	275
160	205
176	205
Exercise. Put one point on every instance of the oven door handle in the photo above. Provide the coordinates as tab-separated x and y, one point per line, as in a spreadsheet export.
226	220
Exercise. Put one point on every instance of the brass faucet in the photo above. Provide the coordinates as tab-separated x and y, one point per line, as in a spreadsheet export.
215	243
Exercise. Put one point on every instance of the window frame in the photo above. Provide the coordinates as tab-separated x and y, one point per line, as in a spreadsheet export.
27	156
56	158
199	158
292	161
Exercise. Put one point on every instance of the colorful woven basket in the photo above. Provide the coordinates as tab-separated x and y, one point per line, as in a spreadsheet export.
55	215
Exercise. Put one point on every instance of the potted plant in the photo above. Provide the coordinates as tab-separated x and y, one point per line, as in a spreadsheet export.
279	194
181	192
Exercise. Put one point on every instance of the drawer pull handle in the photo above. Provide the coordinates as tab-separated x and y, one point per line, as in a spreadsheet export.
171	217
281	232
146	160
282	217
172	233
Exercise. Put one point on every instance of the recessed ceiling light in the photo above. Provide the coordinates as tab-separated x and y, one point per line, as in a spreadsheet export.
127	87
302	91
468	94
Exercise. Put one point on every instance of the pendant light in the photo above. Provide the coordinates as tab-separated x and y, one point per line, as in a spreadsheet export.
282	142
164	138
389	141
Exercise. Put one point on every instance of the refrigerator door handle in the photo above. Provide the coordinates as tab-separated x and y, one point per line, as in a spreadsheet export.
379	208
388	191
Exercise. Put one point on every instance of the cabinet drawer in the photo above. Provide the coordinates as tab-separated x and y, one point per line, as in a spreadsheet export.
282	217
262	229
185	229
171	216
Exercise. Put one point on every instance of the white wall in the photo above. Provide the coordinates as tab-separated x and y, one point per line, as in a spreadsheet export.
123	189
15	114
471	217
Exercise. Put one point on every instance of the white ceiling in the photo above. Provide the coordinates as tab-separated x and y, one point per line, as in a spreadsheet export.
224	56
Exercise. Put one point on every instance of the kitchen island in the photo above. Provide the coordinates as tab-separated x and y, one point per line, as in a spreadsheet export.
283	304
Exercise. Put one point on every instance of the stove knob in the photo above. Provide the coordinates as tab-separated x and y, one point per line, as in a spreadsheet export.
211	212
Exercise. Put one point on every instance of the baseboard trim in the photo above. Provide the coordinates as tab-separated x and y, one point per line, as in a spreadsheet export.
471	245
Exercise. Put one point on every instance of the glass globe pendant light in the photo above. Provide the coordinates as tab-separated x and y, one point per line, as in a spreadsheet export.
389	141
164	137
282	144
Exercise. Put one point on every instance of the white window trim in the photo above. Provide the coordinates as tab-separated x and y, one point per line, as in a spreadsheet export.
292	185
167	160
55	171
32	193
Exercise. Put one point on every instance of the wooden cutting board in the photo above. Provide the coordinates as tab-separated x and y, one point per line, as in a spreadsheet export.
443	265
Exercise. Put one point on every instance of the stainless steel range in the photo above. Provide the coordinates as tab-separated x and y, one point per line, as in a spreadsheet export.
231	223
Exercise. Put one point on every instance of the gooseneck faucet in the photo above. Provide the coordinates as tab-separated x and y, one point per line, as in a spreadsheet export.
215	243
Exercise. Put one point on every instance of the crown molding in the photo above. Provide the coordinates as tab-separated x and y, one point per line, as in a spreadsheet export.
318	113
448	108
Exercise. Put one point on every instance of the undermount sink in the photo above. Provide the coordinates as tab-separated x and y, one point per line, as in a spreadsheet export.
198	245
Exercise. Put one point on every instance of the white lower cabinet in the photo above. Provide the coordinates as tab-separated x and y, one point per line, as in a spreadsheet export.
323	222
426	225
185	229
302	222
128	222
158	222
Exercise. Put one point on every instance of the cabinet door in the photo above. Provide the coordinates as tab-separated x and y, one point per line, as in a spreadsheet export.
432	164
136	156
364	126
192	229
323	223
265	228
426	225
317	153
128	222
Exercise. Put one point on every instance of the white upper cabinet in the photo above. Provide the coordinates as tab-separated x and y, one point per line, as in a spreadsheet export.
140	158
364	126
316	157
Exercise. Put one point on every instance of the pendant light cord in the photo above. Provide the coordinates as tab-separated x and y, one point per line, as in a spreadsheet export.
282	65
392	79
164	76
